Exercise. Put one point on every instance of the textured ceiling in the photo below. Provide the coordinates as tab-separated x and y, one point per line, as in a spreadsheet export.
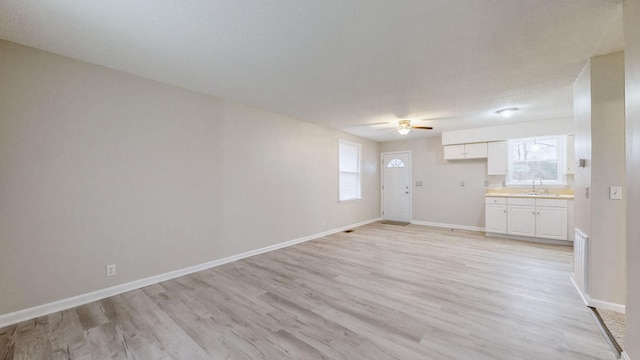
353	65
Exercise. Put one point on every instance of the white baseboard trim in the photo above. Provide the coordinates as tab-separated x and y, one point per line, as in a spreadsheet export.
447	226
530	239
625	356
579	290
598	304
606	305
52	307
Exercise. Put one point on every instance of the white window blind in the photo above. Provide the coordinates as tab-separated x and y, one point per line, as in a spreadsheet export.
349	174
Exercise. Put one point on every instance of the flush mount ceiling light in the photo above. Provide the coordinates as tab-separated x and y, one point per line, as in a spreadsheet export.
507	113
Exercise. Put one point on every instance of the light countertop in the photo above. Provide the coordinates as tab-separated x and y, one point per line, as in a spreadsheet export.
523	195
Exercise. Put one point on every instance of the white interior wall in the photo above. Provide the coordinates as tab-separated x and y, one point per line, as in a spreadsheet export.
101	167
582	148
600	139
607	276
441	200
632	190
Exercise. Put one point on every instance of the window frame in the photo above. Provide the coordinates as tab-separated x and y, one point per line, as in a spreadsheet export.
358	173
561	178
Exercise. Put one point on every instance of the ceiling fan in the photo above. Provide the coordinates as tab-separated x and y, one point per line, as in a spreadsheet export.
404	126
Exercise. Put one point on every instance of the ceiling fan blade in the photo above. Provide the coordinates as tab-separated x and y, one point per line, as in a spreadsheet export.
378	123
422	127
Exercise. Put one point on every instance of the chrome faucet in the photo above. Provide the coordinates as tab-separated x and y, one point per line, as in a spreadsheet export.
533	184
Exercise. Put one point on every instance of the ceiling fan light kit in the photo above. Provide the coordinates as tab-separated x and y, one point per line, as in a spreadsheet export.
404	126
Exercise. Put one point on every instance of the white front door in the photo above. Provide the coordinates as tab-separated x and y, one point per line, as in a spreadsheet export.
396	186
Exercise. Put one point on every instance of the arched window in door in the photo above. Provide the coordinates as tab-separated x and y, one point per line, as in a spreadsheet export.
395	163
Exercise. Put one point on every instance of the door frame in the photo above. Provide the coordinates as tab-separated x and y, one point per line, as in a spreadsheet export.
382	154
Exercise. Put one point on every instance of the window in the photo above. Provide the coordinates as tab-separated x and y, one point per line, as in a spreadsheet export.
349	164
534	158
395	163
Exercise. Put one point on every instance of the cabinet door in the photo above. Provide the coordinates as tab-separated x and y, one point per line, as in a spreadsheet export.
454	151
551	223
475	151
496	218
570	155
497	158
521	220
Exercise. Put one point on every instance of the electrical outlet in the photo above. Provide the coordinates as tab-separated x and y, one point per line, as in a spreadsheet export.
615	192
461	183
486	183
111	270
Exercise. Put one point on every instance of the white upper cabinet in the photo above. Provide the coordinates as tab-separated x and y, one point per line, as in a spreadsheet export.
465	151
570	155
476	151
454	152
497	158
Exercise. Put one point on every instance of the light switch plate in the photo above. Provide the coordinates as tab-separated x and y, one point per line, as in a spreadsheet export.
615	192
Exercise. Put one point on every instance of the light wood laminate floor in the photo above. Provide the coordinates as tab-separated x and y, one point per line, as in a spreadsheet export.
380	292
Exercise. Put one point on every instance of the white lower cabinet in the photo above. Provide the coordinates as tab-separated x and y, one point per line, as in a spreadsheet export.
551	222
522	220
496	215
541	218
